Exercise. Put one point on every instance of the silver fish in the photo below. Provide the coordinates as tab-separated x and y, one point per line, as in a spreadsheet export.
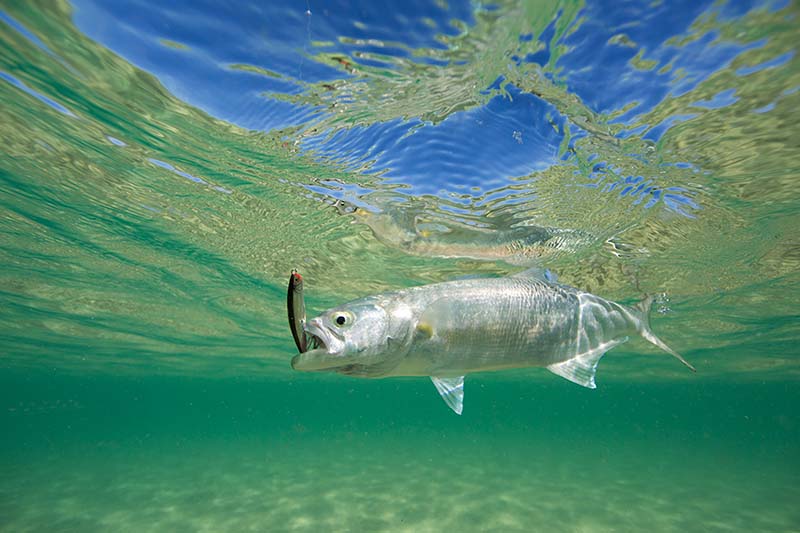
447	330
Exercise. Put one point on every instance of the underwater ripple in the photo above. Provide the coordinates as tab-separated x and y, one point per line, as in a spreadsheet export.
631	150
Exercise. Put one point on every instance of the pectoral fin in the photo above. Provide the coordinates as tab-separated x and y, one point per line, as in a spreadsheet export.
424	330
581	368
435	318
452	391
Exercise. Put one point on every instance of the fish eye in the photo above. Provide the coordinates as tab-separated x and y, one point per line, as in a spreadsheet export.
342	319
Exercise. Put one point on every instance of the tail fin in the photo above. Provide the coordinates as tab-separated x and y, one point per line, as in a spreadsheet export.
643	309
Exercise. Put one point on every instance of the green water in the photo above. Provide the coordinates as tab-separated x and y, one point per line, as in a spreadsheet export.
311	454
144	353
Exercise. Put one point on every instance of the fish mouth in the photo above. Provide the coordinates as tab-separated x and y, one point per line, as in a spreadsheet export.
314	343
323	350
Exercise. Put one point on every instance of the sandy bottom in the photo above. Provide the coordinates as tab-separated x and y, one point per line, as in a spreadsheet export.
374	483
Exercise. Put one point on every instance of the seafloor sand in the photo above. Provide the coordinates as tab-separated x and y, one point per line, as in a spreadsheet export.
376	484
113	454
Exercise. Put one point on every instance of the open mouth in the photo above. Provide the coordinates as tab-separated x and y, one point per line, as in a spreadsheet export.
314	343
316	336
318	355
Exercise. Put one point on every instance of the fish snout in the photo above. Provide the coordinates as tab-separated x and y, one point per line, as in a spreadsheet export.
313	324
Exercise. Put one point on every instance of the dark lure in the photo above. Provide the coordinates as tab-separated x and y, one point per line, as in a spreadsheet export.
297	310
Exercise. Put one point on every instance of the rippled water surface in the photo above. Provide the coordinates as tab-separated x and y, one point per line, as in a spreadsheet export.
166	164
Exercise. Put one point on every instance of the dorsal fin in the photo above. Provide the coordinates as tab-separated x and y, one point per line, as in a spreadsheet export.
452	391
540	273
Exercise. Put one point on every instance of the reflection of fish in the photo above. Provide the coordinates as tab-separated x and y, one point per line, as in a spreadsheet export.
296	306
447	330
520	245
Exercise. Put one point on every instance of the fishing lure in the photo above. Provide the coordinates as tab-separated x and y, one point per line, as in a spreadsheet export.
296	307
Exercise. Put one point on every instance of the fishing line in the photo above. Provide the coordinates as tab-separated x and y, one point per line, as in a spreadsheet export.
307	42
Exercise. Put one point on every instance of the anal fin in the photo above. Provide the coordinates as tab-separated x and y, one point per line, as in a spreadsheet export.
452	391
581	368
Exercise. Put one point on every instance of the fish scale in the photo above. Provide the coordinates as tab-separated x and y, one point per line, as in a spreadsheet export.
511	323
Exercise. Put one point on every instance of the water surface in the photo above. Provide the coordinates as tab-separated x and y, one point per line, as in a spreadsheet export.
166	166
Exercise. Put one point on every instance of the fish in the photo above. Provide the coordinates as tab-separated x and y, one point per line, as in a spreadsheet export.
450	329
519	245
295	304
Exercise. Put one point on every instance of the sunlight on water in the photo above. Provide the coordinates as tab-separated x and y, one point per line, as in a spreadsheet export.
630	158
167	164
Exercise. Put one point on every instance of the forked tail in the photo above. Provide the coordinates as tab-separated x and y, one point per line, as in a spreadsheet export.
643	309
